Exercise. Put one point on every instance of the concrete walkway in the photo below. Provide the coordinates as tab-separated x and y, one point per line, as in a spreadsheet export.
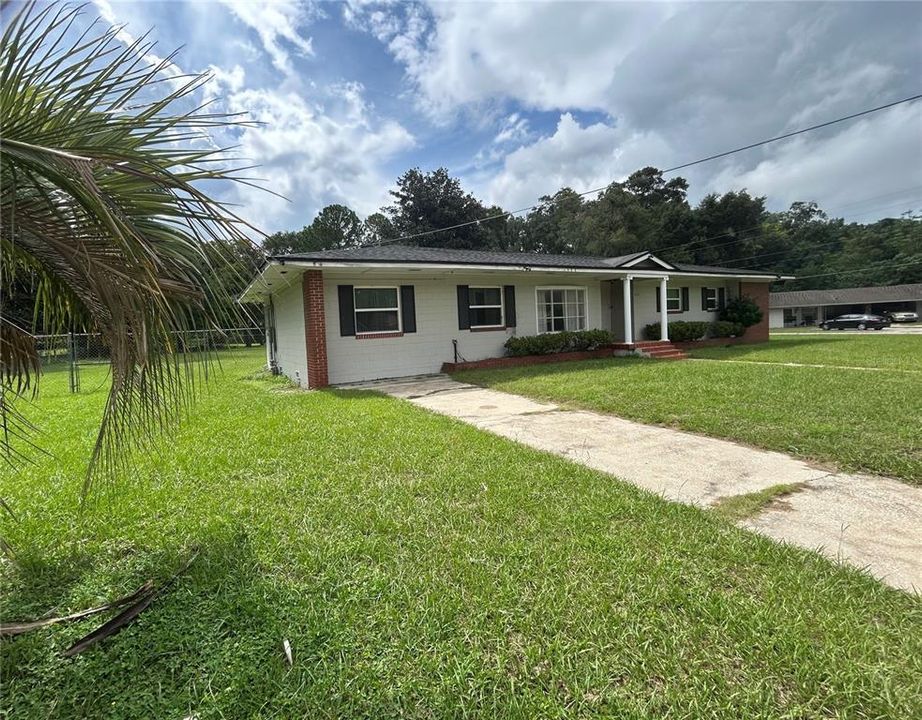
869	522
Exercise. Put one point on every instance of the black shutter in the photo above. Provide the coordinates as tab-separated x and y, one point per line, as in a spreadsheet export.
408	308
659	307
346	310
704	298
509	299
464	308
721	298
684	299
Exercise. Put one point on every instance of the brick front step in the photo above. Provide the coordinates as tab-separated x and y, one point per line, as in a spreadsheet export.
671	355
660	351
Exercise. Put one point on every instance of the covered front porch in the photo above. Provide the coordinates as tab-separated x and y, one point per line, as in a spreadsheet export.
631	300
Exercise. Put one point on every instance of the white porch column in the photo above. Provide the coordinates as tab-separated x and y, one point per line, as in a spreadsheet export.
628	329
664	311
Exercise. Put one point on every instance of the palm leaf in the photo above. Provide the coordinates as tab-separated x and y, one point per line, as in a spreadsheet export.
101	206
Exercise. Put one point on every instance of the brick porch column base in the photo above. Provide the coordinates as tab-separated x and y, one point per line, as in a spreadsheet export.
758	291
315	329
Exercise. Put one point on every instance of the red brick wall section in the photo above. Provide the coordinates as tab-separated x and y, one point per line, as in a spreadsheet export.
758	291
504	362
315	329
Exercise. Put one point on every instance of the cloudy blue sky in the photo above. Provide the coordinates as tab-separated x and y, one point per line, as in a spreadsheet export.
519	99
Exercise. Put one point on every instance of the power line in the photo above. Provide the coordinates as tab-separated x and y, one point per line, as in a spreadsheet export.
709	158
738	235
761	226
879	266
794	251
797	252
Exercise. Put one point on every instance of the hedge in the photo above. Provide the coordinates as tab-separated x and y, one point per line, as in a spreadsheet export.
685	331
558	342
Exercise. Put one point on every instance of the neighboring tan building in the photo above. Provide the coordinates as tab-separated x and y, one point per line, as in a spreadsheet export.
809	307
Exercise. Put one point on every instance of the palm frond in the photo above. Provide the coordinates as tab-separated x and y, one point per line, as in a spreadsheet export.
101	204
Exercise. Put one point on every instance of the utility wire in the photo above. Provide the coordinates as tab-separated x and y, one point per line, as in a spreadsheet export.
737	234
709	158
755	230
798	253
879	266
795	251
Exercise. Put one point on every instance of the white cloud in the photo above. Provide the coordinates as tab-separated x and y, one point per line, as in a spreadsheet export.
313	155
583	158
546	55
680	81
169	69
513	130
875	156
277	23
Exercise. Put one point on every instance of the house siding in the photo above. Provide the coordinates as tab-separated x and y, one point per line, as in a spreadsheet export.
645	293
350	359
423	352
291	350
776	318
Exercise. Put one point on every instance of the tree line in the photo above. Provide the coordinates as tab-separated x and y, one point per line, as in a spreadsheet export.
645	212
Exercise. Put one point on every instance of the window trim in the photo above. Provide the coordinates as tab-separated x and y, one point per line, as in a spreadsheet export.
716	292
501	306
678	298
398	309
541	288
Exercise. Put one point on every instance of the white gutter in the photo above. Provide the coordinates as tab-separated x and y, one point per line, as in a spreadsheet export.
519	268
262	287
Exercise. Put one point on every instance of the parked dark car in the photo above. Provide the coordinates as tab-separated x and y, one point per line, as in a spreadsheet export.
857	322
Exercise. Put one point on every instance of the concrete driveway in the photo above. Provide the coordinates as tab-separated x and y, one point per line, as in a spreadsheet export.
869	522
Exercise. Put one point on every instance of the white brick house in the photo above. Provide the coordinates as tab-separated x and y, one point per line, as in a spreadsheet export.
341	316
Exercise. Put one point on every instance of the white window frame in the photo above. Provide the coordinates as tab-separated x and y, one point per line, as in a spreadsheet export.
678	299
356	310
707	305
579	288
501	306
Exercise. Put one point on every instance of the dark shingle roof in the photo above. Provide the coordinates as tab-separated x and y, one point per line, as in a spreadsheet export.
715	270
846	296
430	255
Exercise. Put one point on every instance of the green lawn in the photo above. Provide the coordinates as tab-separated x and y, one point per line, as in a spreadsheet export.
891	352
857	419
420	569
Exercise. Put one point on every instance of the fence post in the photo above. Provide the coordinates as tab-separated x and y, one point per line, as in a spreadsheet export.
74	370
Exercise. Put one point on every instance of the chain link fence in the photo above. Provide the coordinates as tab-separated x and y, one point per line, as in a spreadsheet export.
72	350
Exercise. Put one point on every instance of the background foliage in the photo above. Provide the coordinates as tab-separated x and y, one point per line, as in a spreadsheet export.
645	212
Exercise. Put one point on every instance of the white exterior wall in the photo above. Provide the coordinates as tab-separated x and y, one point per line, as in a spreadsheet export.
354	360
645	292
291	352
776	318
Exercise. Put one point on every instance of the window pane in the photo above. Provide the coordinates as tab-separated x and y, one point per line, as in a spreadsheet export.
484	296
481	317
375	298
561	309
376	321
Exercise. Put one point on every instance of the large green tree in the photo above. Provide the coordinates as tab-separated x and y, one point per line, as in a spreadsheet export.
429	201
335	226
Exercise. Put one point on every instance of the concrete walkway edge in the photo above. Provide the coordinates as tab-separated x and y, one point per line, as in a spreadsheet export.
870	522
